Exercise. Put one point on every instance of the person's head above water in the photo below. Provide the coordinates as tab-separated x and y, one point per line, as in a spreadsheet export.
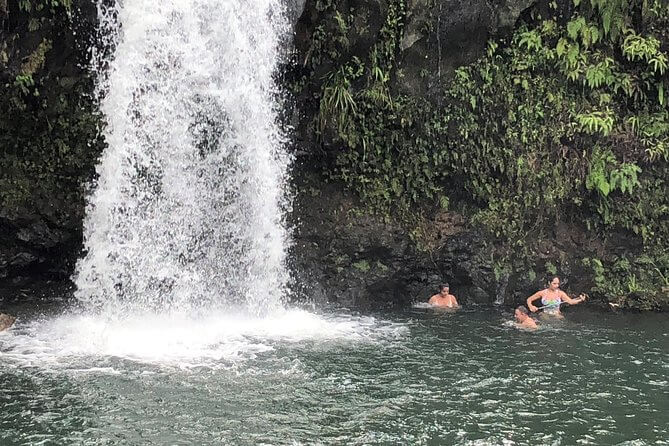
521	313
444	298
554	283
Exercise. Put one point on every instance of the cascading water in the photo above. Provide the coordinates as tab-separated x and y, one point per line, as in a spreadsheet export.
186	213
186	216
185	248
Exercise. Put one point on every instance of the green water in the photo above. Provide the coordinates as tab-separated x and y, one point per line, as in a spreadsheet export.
411	377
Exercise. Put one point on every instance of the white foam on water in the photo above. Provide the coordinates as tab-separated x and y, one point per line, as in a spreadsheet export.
185	246
184	340
423	305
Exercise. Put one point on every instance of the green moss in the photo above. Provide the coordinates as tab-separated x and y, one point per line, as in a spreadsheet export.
362	265
49	129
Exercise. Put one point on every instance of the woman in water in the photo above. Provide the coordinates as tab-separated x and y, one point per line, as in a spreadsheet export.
444	298
551	299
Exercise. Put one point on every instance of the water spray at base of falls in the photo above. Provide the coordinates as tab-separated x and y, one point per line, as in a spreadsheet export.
185	247
186	214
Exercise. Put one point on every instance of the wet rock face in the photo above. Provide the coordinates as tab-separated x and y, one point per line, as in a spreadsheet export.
438	36
40	234
341	254
41	242
42	203
444	35
294	9
36	247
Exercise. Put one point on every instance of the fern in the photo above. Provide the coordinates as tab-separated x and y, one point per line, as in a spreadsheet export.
599	74
337	102
636	47
596	122
531	40
607	175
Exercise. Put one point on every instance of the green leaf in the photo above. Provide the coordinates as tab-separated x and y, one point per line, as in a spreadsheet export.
573	27
604	187
660	93
606	21
561	47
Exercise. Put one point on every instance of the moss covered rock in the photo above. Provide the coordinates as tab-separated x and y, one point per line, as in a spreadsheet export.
49	135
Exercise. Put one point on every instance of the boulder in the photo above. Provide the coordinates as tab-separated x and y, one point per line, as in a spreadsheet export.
6	321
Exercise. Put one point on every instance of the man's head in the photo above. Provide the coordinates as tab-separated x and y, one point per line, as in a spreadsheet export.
521	313
444	288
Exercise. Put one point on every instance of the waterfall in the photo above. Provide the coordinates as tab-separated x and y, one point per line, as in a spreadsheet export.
186	213
502	284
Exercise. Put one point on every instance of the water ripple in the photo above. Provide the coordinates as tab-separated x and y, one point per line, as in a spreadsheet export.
407	378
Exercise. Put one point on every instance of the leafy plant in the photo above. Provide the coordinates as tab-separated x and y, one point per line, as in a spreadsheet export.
337	103
596	122
607	175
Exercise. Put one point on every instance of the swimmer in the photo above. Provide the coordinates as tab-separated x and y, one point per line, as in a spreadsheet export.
444	299
523	319
551	299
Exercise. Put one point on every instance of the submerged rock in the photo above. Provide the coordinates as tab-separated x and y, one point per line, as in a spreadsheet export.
6	321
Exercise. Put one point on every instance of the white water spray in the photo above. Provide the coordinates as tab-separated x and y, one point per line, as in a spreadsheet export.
186	214
185	246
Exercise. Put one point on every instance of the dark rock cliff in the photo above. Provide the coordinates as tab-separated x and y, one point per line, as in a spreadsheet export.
342	251
43	195
369	74
49	136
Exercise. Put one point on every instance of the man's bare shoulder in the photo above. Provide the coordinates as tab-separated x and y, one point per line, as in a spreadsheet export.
529	323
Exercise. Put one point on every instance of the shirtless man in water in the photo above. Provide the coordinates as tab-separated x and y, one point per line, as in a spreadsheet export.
523	319
444	299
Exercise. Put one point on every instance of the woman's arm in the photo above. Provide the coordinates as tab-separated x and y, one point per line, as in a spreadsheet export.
571	301
531	299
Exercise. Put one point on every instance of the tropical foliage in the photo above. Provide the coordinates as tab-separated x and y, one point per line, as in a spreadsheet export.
49	127
565	120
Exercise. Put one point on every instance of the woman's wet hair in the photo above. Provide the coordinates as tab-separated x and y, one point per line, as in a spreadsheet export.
523	310
444	285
